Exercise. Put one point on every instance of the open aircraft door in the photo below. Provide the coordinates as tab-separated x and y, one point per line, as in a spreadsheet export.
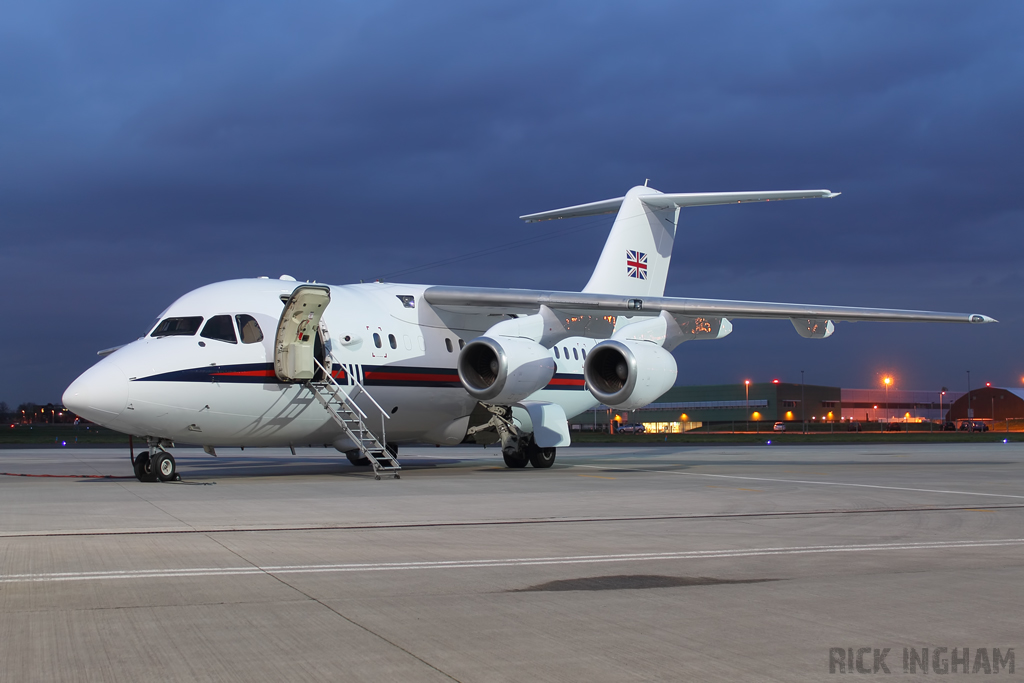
297	338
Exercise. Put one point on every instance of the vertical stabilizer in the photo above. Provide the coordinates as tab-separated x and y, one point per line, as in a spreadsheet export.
639	248
636	256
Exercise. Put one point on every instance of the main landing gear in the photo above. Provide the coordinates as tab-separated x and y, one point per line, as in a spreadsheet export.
156	464
518	448
526	452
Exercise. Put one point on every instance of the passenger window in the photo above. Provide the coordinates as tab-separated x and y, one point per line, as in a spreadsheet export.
219	327
556	354
462	344
575	354
249	329
448	344
392	341
565	349
584	352
376	340
178	326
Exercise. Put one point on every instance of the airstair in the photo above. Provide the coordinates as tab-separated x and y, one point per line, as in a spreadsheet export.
297	345
341	405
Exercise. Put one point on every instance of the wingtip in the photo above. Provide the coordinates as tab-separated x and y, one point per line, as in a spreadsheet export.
832	195
979	319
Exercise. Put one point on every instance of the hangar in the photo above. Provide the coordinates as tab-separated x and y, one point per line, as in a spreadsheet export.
989	404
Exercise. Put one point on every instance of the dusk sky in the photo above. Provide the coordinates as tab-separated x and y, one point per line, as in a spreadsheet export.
150	148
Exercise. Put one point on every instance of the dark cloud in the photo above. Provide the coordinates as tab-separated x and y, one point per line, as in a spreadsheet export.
151	148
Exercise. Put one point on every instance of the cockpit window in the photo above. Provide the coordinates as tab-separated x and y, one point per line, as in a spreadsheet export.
178	326
249	329
219	327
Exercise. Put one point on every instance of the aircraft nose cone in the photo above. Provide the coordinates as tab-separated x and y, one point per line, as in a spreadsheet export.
100	394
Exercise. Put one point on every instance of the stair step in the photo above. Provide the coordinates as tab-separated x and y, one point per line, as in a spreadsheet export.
335	401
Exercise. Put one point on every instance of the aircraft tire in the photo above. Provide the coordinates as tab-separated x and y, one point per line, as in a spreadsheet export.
164	467
542	458
357	459
516	460
144	468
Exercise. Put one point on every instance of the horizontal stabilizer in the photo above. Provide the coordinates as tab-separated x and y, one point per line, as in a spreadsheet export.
665	201
591	209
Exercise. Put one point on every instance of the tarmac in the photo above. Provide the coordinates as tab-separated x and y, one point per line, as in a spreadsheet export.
618	564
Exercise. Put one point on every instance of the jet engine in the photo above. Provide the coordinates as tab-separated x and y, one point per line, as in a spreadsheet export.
628	374
504	370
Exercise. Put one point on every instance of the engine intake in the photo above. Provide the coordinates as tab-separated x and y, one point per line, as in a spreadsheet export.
629	374
504	370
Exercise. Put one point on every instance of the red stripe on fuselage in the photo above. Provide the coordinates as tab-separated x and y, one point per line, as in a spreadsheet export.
410	377
566	382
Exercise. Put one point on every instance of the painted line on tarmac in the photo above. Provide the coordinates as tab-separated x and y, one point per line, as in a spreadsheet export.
254	570
802	481
436	524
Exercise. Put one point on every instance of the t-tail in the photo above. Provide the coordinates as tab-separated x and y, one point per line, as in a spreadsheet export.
638	251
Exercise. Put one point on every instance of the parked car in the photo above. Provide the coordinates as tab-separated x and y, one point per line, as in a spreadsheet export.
894	427
949	427
779	427
632	429
974	426
853	427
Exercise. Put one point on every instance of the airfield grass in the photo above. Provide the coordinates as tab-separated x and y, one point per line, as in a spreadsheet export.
56	435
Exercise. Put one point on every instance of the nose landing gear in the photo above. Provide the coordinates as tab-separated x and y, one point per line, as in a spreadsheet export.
156	464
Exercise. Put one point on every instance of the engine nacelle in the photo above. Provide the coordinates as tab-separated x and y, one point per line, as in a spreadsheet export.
504	370
629	374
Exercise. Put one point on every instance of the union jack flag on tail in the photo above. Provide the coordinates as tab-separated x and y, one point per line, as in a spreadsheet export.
636	264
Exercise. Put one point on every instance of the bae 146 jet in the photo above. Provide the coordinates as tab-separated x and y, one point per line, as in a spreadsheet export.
367	367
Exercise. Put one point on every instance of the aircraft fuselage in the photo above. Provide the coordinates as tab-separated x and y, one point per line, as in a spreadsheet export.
189	388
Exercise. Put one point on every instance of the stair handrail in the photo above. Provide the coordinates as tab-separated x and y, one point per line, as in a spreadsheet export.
337	388
356	382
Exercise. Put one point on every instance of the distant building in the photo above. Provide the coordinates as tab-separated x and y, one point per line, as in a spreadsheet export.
764	403
683	408
873	405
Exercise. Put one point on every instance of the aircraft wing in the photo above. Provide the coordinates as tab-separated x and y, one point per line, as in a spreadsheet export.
524	301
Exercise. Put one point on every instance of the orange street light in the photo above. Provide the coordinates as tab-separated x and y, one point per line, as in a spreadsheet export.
746	386
887	380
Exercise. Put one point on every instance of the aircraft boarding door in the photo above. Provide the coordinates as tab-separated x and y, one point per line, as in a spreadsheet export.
297	337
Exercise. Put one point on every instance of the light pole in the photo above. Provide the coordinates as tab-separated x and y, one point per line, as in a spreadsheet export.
970	411
803	415
942	418
746	385
887	381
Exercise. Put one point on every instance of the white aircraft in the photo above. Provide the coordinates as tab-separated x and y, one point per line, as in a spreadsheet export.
365	367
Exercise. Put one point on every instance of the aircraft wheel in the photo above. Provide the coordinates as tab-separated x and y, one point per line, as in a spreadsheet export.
542	458
144	468
515	460
164	466
357	459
